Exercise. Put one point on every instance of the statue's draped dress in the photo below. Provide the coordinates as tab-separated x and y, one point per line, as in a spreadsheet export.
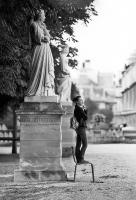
42	65
64	80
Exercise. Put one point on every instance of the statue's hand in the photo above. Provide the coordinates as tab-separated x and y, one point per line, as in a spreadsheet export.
66	71
46	39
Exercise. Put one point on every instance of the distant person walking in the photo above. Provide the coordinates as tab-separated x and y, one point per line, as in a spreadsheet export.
80	113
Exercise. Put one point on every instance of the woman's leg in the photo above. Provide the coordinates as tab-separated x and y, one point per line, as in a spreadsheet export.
78	146
84	142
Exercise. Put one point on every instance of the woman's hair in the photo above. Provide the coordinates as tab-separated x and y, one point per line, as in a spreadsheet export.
75	99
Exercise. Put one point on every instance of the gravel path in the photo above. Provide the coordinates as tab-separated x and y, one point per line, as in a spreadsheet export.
115	174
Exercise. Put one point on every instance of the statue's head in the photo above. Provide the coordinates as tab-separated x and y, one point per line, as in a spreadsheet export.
65	49
40	15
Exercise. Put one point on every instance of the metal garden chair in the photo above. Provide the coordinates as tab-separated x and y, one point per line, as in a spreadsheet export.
76	164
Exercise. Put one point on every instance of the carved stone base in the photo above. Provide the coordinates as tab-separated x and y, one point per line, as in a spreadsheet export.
42	99
68	134
39	176
40	142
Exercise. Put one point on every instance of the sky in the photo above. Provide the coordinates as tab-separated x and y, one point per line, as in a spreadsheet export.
110	38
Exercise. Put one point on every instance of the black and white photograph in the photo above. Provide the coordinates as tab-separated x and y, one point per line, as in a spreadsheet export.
67	100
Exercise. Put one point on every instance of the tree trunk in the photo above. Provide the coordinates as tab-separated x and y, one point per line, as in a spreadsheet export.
14	142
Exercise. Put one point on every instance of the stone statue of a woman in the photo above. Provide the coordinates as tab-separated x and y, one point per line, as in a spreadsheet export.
42	65
63	81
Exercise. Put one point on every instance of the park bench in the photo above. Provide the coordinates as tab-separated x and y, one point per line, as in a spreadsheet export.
9	135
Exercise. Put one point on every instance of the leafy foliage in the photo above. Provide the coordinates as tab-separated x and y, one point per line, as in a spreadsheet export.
92	107
13	62
74	91
98	118
108	114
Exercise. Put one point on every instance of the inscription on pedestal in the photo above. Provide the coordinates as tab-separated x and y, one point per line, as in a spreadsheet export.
39	119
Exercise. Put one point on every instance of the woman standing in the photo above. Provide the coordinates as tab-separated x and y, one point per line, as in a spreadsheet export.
80	113
42	65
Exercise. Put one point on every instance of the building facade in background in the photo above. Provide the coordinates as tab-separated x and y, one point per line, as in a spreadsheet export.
98	87
127	113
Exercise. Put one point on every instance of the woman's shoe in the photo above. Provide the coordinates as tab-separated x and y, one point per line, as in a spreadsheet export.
83	162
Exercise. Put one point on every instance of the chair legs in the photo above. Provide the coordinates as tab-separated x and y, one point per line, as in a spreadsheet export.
75	172
92	168
92	171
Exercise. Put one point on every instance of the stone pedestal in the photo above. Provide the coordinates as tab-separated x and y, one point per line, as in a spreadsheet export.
40	141
68	134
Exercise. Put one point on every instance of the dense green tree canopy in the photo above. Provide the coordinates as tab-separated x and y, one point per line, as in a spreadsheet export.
15	16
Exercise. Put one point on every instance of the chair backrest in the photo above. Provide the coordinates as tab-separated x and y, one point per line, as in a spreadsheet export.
73	154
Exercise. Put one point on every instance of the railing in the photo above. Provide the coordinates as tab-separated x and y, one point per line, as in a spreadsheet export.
9	135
